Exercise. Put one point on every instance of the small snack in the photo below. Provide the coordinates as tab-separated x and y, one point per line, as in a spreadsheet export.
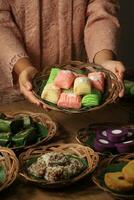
24	137
56	166
51	93
97	80
37	168
82	86
69	100
117	135
17	124
5	125
64	79
90	100
4	139
125	147
117	182
54	72
102	145
128	172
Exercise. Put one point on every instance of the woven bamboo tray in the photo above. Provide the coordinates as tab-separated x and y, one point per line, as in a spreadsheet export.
86	136
91	157
10	165
38	117
115	161
111	93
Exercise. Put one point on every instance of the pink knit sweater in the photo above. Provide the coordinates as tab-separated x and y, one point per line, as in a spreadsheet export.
53	31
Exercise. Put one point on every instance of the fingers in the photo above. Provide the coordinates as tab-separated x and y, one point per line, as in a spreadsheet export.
30	96
121	94
120	70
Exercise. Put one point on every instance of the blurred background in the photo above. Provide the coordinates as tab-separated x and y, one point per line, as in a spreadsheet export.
127	38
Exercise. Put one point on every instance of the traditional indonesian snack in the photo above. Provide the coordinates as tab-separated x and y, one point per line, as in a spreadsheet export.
121	181
97	80
86	89
54	72
82	86
117	182
103	145
20	131
119	140
91	100
128	172
108	138
51	93
56	166
69	100
64	79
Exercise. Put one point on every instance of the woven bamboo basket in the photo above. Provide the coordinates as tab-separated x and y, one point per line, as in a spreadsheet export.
111	93
91	157
119	161
37	117
10	164
86	136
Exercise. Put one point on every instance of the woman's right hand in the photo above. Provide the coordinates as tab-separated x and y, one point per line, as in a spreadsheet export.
25	79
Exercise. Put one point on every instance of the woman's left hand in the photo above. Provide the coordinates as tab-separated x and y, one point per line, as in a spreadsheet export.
117	68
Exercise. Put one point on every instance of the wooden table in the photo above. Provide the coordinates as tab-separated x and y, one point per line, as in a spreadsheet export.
84	190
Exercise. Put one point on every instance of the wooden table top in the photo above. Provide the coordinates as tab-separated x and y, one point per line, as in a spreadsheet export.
84	190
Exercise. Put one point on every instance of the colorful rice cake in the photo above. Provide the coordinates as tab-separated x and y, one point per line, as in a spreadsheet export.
97	80
69	100
82	86
64	79
51	93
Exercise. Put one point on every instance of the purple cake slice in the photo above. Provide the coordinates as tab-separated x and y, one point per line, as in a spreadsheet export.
117	135
102	145
125	147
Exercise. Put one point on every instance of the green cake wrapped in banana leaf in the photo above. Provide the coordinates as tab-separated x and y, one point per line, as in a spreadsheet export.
20	131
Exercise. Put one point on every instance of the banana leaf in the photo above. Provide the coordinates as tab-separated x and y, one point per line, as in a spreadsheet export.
42	131
5	139
27	121
16	125
24	137
2	175
5	125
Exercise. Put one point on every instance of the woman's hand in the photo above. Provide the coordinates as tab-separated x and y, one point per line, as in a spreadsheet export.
25	79
106	58
118	69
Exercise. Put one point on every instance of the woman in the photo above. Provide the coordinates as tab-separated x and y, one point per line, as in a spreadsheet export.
35	34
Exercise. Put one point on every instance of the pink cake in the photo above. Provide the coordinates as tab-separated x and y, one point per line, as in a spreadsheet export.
97	80
64	79
69	100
